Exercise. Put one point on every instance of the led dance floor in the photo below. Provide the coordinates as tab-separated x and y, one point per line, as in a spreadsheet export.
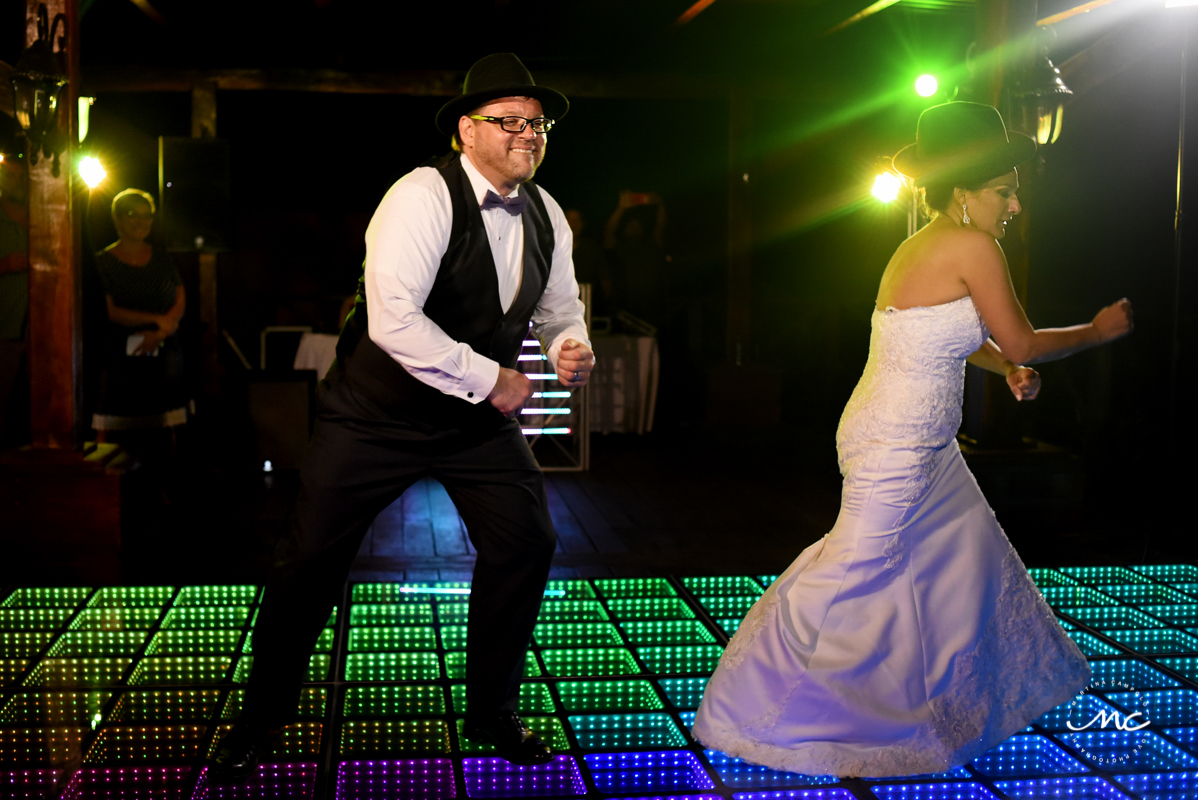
122	691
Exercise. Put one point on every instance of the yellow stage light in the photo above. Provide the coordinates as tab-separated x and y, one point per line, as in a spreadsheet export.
886	187
91	171
926	85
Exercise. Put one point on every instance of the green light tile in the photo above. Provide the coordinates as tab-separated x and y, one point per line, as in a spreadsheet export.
714	586
700	658
132	597
391	640
1174	614
592	661
578	634
181	670
311	703
11	670
634	695
574	590
1104	576
300	741
667	632
393	592
360	737
23	644
727	606
684	693
1113	619
453	637
455	665
1156	642
1147	594
1169	573
1076	596
48	709
318	668
392	667
535	698
1045	578
145	744
572	611
324	642
47	597
1187	667
393	701
650	608
634	587
1091	645
217	595
116	619
33	619
39	747
767	580
729	624
626	731
390	614
84	673
191	642
95	644
548	728
453	613
206	618
163	706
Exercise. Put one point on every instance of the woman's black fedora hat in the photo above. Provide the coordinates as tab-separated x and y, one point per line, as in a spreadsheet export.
965	144
494	76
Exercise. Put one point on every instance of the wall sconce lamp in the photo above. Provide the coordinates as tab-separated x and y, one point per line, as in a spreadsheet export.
1042	94
37	81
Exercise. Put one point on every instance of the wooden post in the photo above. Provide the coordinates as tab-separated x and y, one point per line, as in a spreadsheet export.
54	244
203	126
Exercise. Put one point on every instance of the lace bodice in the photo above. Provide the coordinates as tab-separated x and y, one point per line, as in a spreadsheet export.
909	396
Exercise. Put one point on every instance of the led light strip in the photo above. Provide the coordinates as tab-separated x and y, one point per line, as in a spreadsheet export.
442	590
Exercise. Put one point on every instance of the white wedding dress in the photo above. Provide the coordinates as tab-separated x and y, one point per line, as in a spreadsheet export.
910	639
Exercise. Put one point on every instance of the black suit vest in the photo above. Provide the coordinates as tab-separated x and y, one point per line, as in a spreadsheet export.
464	302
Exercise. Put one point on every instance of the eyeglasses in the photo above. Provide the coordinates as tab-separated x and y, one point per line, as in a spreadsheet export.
518	124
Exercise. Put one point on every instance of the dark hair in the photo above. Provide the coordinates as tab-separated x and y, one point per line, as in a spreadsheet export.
934	198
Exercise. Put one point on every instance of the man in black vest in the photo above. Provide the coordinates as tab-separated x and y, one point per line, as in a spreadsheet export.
461	255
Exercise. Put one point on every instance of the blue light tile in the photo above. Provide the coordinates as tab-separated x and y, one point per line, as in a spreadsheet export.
933	791
1188	736
958	772
1162	786
1022	756
1129	672
1169	707
739	774
1093	646
1079	711
664	770
683	692
1130	751
418	779
494	777
797	794
1086	788
688	718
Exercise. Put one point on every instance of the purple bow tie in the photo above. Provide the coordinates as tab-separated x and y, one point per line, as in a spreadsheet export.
512	205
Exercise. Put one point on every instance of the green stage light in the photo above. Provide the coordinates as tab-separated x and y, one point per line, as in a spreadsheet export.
886	187
926	85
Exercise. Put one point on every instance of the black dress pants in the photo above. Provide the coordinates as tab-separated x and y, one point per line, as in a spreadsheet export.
355	467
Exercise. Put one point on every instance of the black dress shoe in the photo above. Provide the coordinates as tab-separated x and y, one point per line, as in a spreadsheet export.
511	737
238	753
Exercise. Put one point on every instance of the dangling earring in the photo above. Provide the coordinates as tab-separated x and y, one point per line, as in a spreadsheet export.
964	215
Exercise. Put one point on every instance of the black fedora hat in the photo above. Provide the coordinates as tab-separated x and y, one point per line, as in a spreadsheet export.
965	144
494	76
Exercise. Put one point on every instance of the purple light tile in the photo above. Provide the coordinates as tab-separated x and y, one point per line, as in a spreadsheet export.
129	783
665	770
417	779
933	791
798	794
29	784
494	777
270	780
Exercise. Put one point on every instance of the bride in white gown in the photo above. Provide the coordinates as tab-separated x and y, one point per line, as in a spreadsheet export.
910	639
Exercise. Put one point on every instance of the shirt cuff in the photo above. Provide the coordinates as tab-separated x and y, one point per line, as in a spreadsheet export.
479	381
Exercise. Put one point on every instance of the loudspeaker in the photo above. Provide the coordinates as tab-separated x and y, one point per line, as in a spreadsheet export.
193	191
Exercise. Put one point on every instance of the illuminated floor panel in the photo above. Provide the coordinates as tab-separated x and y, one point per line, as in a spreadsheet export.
114	692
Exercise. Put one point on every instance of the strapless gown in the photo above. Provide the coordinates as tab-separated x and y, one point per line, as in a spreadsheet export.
910	639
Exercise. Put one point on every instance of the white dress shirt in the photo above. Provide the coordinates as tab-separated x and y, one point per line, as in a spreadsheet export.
405	241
